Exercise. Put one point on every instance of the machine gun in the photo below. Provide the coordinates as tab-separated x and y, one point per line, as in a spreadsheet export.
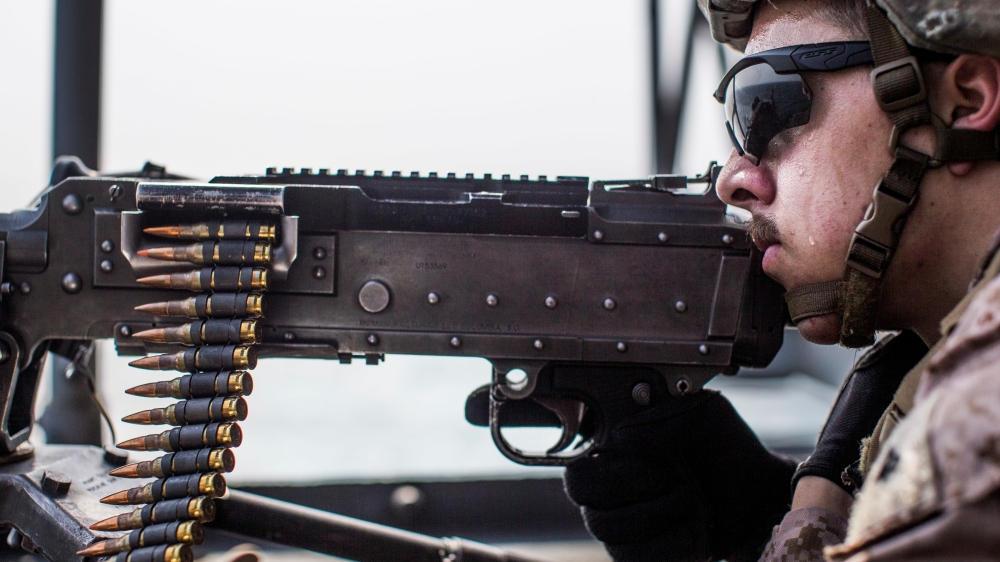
604	299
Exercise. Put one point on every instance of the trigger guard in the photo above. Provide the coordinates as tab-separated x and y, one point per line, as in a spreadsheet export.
550	458
570	413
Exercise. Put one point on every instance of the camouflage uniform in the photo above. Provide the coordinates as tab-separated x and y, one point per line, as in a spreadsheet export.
933	490
932	465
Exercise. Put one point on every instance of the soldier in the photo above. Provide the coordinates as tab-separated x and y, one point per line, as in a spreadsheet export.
826	87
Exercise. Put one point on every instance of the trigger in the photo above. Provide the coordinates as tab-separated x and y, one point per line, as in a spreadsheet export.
570	413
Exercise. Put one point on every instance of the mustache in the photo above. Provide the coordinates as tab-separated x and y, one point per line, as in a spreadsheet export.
762	228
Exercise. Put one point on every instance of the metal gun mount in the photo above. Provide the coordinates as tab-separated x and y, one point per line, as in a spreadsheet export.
611	299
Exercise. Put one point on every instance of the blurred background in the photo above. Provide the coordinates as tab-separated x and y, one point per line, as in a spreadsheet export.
605	89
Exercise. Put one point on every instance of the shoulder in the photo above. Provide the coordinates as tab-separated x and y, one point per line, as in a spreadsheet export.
945	455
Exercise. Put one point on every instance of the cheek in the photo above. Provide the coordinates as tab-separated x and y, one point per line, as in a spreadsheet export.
831	166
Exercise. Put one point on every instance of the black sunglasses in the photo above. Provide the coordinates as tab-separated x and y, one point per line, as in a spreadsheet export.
769	96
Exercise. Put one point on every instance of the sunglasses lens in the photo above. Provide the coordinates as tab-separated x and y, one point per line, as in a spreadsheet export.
761	104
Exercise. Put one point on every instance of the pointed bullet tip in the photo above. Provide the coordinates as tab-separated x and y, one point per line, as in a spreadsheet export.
134	444
163	231
150	308
117	498
151	363
127	471
151	335
144	253
97	549
109	524
161	281
146	390
142	418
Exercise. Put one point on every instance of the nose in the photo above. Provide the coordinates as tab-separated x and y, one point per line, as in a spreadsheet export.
744	185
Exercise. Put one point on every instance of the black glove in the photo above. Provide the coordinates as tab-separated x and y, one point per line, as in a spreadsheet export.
866	393
687	480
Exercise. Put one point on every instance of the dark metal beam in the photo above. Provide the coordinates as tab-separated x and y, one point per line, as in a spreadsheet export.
77	84
669	101
294	525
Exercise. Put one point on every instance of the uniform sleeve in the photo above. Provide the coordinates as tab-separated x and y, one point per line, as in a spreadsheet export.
802	534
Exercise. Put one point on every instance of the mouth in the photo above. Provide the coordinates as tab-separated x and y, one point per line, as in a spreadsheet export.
764	243
764	232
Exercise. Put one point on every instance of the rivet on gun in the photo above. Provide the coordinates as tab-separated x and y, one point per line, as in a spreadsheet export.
72	204
24	287
641	394
682	386
456	342
319	252
610	304
598	235
492	300
727	239
107	246
433	298
621	347
372	339
125	331
71	283
114	191
662	237
289	336
107	266
6	288
680	306
539	345
319	272
551	302
703	349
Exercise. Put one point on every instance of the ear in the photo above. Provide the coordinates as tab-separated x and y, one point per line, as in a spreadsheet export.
970	97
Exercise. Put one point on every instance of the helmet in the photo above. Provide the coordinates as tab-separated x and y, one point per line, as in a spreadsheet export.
945	26
894	27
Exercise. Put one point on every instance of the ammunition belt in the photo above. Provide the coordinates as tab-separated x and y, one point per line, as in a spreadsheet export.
219	341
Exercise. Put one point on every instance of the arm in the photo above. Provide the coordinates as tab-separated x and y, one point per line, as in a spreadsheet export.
823	496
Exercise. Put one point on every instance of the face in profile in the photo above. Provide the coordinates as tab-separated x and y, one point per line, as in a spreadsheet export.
810	185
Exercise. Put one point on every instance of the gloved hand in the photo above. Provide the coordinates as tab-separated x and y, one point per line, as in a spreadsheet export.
865	395
686	480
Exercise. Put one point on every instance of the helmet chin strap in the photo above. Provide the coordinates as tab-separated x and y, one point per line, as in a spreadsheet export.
900	92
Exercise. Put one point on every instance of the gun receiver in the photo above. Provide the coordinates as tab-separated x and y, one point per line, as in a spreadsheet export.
568	283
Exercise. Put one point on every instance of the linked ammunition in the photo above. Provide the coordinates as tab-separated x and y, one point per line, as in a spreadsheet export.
187	532
211	484
201	509
162	553
205	332
212	279
198	385
194	411
225	252
208	358
218	305
179	463
222	230
188	437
